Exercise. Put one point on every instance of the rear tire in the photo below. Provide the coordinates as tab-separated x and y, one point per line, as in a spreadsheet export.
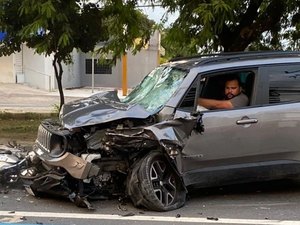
155	185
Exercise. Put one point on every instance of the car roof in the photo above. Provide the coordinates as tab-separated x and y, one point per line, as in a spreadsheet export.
210	59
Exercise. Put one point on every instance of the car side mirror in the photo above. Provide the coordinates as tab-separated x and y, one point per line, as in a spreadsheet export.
199	127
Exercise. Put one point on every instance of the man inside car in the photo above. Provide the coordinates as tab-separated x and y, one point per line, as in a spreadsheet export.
233	96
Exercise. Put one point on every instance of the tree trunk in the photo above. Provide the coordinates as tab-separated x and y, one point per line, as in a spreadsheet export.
57	64
252	26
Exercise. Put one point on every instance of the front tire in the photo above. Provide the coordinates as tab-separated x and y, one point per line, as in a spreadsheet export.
155	185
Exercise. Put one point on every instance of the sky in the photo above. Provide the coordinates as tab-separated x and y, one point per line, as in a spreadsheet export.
158	13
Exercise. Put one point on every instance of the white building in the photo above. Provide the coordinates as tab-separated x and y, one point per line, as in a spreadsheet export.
37	70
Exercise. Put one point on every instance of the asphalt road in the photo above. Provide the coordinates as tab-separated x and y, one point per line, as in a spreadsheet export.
264	203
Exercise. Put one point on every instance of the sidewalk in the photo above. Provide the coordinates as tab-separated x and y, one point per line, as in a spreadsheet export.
19	98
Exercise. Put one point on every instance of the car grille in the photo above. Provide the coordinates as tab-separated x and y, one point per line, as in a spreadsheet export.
44	138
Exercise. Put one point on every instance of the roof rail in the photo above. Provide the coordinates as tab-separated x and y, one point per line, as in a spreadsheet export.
228	56
194	57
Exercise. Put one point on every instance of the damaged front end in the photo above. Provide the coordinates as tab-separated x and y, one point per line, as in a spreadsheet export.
94	162
77	164
102	147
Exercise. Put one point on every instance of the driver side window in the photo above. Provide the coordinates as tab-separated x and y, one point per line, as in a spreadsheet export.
212	87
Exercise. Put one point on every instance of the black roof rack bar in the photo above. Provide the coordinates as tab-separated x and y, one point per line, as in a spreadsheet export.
194	57
256	55
223	56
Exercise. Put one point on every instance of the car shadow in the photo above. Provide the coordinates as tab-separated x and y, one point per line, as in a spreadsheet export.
267	187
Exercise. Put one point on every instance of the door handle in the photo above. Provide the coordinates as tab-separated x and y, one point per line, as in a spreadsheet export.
246	121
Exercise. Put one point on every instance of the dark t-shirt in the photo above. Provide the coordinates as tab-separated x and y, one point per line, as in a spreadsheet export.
240	100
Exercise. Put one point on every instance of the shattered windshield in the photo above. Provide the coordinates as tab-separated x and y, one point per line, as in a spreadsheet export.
157	88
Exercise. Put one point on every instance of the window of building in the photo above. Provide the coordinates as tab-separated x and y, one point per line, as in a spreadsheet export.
99	68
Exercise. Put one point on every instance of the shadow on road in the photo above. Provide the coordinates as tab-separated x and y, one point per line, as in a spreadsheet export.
269	187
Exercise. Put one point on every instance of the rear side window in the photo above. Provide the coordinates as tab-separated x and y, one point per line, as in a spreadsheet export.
284	84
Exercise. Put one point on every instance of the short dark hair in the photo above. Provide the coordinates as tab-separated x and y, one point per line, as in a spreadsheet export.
231	77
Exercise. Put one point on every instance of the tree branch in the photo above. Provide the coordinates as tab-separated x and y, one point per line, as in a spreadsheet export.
251	31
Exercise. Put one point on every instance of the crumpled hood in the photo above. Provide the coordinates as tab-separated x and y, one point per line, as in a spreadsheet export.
99	108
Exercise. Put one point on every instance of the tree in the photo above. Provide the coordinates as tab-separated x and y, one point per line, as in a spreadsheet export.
234	25
176	49
53	27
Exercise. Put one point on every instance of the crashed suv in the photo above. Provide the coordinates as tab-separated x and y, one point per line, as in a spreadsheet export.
157	142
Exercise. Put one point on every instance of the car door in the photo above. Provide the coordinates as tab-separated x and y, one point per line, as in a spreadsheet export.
231	140
280	118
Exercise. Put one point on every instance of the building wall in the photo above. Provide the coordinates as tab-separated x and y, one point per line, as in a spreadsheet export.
138	66
38	70
18	67
7	70
72	74
102	80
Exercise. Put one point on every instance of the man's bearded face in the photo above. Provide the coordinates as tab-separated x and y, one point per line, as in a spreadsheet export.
232	89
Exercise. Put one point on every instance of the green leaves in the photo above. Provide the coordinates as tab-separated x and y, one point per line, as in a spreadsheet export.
64	40
234	25
47	9
43	8
31	29
52	26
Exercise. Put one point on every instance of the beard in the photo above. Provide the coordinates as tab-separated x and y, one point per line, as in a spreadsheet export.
230	96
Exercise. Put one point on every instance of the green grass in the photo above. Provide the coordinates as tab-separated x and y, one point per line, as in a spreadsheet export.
20	127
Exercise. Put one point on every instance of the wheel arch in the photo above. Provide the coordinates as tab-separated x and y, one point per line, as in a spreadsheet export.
133	184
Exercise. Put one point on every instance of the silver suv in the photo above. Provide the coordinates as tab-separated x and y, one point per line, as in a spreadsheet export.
157	142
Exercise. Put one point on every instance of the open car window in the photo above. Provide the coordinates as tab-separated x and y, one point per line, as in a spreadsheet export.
211	86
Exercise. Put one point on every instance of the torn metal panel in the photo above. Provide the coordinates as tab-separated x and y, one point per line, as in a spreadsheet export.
176	131
171	132
130	140
91	100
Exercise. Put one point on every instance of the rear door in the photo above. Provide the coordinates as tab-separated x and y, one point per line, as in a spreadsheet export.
280	123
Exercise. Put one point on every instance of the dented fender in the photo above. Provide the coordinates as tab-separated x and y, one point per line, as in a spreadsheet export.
171	135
